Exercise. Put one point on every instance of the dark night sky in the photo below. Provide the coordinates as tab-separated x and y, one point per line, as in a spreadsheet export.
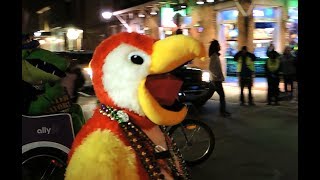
123	4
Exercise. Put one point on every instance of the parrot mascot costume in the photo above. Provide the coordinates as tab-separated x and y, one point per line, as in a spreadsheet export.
42	91
125	139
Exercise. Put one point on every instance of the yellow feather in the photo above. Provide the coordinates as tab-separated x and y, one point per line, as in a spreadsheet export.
102	156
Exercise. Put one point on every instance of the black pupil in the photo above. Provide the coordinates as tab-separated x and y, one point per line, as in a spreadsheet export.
136	59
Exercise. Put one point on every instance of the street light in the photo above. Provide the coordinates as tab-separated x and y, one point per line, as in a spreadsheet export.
200	2
73	34
106	14
153	11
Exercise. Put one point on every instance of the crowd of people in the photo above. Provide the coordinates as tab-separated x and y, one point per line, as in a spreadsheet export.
278	67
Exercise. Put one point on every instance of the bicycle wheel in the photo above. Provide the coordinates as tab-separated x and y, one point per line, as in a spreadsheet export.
195	140
44	164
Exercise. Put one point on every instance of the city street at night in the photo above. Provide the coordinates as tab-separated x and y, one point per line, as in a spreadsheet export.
256	143
153	71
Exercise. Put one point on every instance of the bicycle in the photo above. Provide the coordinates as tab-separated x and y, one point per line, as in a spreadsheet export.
46	142
194	138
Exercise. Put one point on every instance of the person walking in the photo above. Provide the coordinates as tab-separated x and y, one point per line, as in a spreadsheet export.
272	69
245	73
217	75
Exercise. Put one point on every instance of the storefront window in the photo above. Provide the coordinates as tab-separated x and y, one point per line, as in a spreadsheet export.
231	48
265	32
228	37
263	37
167	16
229	32
231	35
229	15
264	13
171	20
292	26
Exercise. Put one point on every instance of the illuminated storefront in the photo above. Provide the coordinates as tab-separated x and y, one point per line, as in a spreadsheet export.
292	26
266	30
171	20
255	24
60	39
228	37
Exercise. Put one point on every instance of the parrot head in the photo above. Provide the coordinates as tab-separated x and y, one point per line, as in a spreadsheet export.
130	70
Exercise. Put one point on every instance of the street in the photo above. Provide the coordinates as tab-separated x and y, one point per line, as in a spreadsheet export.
256	143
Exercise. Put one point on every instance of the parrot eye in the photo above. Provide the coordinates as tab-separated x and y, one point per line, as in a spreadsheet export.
137	57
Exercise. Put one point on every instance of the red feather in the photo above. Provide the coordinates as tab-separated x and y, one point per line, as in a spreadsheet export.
99	121
142	42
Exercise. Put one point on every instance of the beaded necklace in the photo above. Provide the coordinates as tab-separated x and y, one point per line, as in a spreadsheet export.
151	156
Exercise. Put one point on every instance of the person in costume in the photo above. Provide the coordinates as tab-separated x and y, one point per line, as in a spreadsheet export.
42	91
125	138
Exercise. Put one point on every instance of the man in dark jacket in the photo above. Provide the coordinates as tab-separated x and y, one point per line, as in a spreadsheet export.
272	69
245	72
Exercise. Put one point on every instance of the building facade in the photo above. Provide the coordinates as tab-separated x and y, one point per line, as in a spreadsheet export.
252	23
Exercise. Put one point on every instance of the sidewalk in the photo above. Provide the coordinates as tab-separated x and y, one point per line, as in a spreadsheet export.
255	143
259	90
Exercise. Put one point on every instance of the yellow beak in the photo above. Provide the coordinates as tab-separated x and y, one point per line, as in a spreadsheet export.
168	54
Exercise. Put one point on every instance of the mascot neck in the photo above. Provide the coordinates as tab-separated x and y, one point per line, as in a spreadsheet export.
142	121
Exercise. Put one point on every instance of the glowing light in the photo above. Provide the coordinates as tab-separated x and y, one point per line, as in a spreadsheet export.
235	13
200	2
206	76
42	41
258	13
73	34
106	15
51	38
153	11
168	32
141	14
37	34
89	71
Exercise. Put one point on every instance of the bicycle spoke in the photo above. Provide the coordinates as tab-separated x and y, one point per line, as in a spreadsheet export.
195	140
189	140
51	166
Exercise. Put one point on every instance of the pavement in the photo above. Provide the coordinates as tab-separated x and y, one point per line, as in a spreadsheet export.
259	90
256	143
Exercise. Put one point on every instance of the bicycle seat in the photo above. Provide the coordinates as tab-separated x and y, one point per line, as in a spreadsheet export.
54	130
